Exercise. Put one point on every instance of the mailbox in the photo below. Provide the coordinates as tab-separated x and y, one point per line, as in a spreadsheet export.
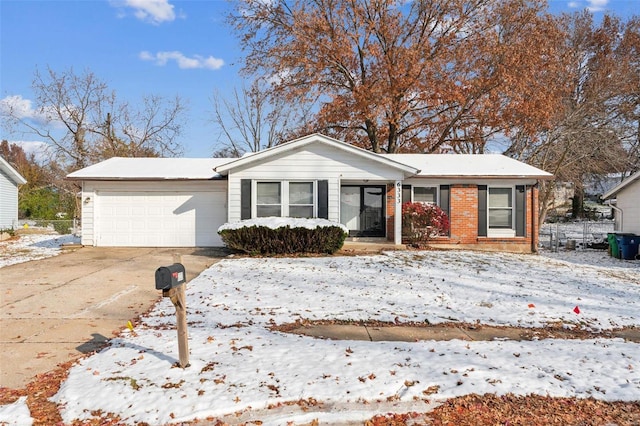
168	277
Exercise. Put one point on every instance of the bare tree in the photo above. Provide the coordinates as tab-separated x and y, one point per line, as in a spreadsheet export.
85	123
251	120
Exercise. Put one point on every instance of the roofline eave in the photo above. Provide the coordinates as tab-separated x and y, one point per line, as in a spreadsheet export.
224	169
140	179
619	187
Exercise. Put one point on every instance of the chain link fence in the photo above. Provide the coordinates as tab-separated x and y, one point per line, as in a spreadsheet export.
576	235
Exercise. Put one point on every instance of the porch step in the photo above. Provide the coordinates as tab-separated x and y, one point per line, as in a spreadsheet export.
356	245
378	240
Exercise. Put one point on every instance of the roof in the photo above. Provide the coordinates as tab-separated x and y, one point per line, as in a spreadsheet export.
11	172
312	139
613	191
469	165
421	165
119	168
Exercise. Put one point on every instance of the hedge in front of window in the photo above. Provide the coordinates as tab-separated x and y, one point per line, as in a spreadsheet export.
262	240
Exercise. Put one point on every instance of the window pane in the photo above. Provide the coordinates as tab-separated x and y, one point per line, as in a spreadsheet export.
267	211
268	193
424	195
300	193
301	211
500	218
500	197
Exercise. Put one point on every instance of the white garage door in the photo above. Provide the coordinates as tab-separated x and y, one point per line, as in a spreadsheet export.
160	219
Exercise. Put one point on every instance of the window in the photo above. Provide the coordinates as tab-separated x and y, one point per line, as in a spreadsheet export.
301	199
292	199
268	199
424	194
500	205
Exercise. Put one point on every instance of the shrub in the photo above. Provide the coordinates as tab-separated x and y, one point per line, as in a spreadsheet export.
62	227
421	221
269	236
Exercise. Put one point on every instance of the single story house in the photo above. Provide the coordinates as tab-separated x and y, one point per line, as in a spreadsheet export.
491	200
627	204
10	179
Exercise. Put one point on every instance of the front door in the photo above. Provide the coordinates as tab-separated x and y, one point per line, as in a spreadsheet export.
362	210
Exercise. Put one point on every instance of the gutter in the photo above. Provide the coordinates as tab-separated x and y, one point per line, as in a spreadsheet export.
142	179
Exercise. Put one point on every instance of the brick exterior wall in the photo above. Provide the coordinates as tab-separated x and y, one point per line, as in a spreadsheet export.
463	215
463	218
464	224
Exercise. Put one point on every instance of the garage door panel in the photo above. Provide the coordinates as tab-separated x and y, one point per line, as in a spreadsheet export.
160	219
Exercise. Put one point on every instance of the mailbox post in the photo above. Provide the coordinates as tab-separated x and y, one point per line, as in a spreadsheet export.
171	280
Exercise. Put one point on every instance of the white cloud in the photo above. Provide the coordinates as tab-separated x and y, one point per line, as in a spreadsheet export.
597	5
41	150
184	62
151	11
15	107
591	5
18	107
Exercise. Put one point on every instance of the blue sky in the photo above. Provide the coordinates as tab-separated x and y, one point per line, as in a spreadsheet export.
139	47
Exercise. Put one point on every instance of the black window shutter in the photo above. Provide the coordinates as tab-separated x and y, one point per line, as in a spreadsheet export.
445	191
444	198
406	194
521	204
482	210
245	199
323	199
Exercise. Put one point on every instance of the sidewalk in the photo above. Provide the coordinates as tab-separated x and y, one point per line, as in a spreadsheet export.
402	333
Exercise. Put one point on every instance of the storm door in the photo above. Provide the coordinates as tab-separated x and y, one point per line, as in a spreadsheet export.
362	210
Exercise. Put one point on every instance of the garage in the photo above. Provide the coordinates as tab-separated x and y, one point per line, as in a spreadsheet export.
159	218
152	202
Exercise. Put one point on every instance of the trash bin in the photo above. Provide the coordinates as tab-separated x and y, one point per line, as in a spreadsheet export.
613	245
629	244
625	237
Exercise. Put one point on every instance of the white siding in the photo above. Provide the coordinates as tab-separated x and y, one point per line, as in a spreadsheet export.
8	202
628	200
87	204
158	214
312	162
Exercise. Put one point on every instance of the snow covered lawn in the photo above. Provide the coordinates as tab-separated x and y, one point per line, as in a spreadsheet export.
239	365
33	247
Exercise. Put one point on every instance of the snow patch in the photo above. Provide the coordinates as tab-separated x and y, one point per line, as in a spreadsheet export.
282	222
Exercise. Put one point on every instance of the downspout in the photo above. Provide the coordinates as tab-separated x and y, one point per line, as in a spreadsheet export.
619	210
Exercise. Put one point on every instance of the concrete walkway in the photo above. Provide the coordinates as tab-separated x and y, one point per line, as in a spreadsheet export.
56	309
447	332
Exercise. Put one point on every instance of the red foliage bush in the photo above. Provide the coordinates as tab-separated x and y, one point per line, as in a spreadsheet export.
421	221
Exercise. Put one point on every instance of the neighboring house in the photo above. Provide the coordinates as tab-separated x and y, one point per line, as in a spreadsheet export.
492	200
10	179
626	205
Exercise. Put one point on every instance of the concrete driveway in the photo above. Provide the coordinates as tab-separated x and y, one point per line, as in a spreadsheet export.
59	308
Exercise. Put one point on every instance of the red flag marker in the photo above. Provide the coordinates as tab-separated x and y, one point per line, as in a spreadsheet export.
531	305
576	310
